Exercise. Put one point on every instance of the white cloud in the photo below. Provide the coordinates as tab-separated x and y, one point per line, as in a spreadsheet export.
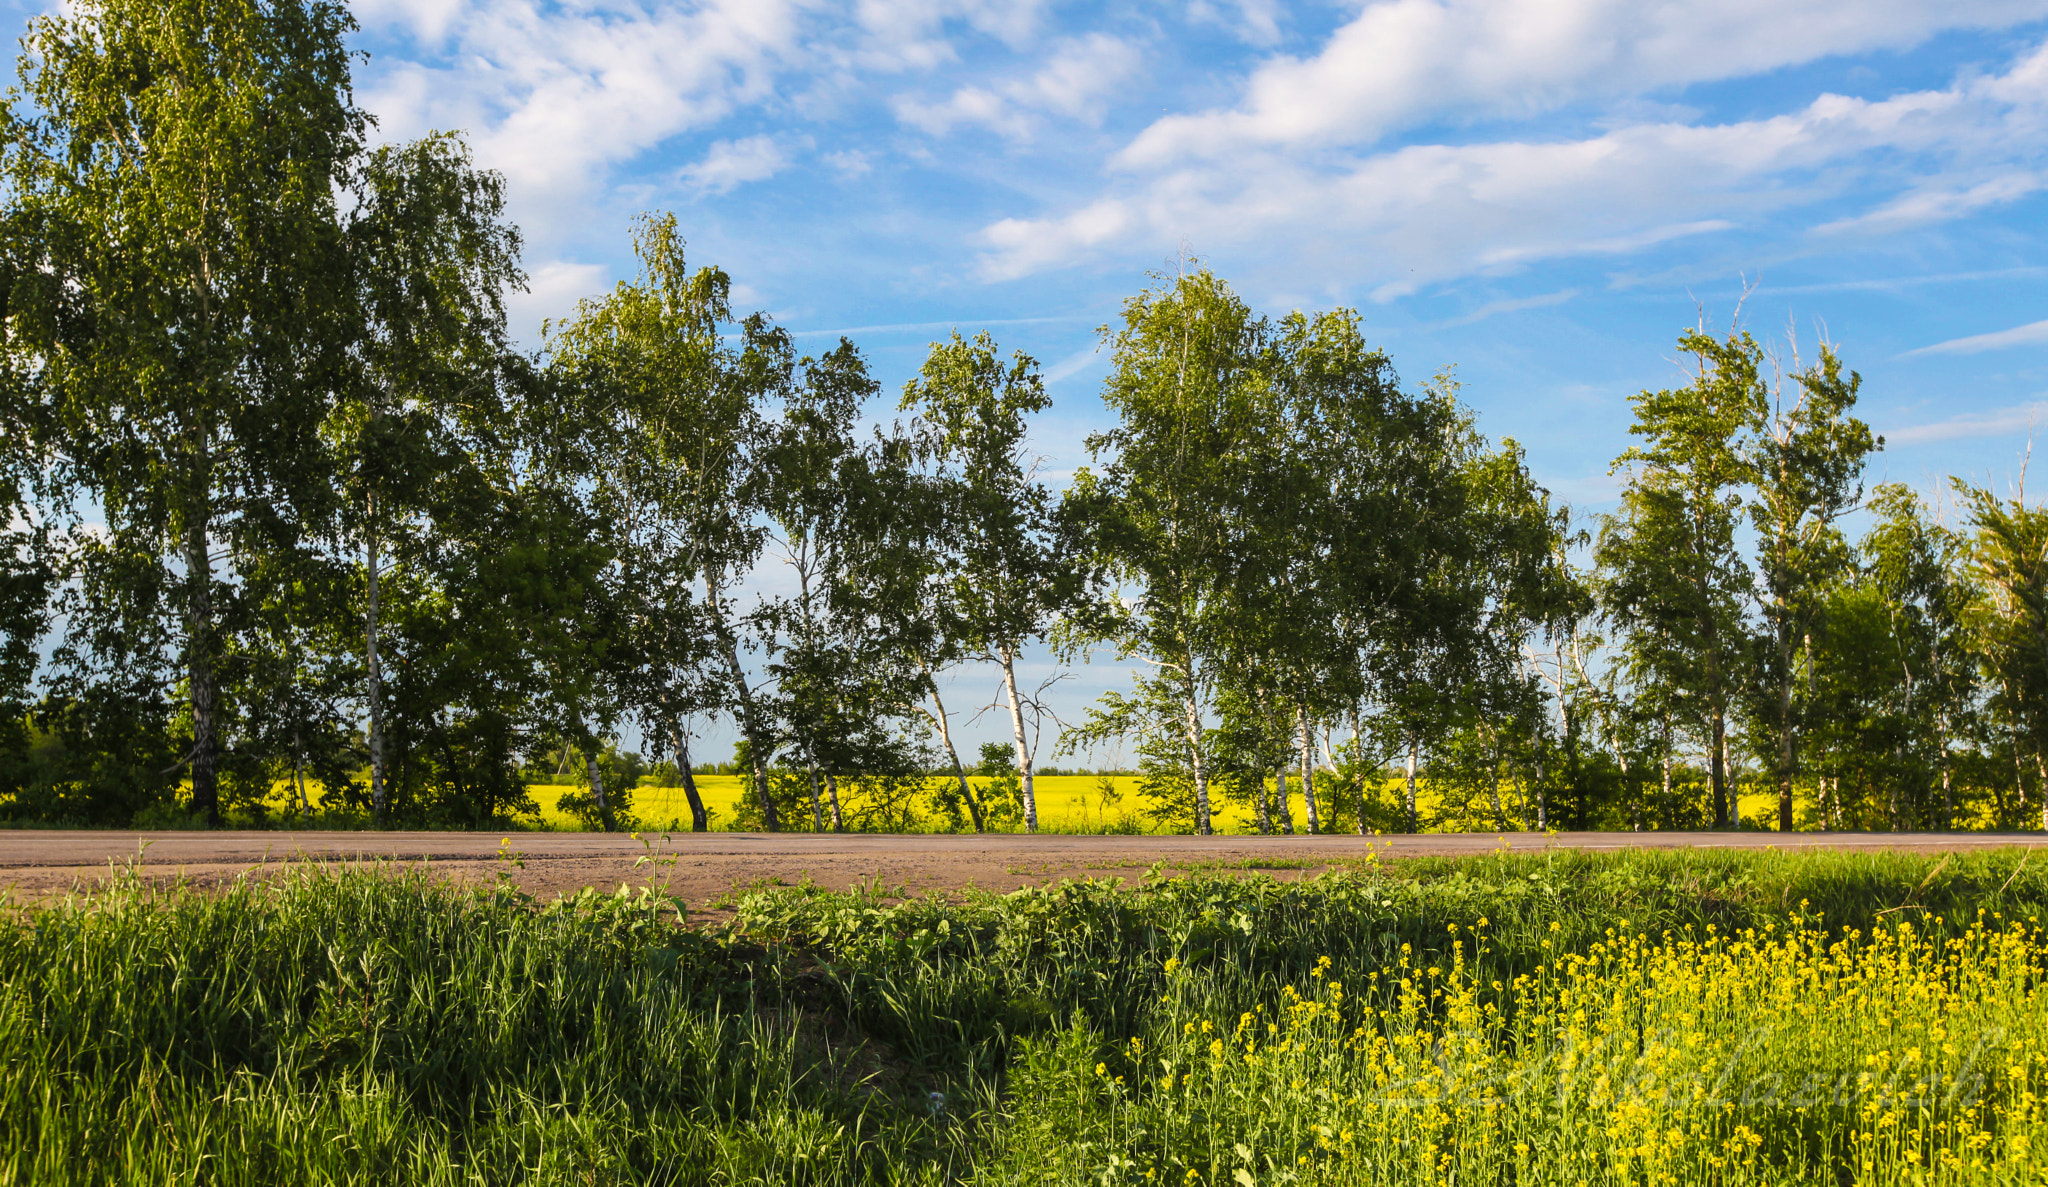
1414	215
552	291
905	28
732	163
849	163
427	20
1403	62
1507	305
1075	81
2027	335
1075	363
968	105
1997	422
1256	22
1940	202
556	96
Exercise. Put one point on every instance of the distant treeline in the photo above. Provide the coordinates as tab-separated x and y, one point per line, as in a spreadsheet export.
285	503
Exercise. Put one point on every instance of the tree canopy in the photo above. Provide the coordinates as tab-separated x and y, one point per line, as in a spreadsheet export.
294	527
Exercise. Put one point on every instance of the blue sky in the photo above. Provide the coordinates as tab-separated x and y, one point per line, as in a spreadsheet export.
1539	193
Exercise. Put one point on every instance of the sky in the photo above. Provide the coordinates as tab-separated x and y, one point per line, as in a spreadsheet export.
1539	193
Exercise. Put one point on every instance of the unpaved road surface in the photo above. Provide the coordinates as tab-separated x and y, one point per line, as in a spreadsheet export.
40	865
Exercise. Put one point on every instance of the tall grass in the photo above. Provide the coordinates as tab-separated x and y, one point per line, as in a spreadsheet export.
1667	1017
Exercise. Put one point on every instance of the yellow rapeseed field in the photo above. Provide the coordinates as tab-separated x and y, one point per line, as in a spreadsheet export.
1066	803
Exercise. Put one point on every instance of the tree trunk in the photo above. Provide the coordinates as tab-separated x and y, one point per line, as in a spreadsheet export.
959	771
199	648
832	802
379	797
1500	816
1196	766
817	804
1667	764
1024	784
1413	750
299	773
1286	799
700	821
1574	778
1621	760
1785	741
1948	802
2041	768
1358	768
597	795
1717	772
1265	816
750	725
1308	773
2019	770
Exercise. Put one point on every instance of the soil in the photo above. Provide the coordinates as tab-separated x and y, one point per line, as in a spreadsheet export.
38	865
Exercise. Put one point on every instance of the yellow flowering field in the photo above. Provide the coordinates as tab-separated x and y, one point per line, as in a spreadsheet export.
1066	804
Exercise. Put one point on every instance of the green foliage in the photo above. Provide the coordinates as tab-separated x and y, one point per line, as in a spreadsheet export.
351	530
1676	580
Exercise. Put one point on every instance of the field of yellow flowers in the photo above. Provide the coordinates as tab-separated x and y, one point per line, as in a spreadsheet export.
1624	1018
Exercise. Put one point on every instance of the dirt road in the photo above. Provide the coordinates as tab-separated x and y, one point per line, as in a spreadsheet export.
36	865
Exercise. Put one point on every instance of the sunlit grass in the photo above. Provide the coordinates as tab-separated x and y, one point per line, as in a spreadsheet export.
1701	1017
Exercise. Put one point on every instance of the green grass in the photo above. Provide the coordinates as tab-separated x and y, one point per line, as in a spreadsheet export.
356	1027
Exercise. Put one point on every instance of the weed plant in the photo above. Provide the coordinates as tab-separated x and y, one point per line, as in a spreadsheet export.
1703	1017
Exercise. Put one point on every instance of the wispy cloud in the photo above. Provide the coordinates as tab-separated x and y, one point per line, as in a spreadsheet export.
1509	305
1400	63
552	291
966	326
1891	284
1074	363
1939	202
732	163
1404	218
1076	79
1994	423
2026	335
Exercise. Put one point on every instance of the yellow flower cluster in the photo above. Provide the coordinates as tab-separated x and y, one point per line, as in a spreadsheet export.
1880	1057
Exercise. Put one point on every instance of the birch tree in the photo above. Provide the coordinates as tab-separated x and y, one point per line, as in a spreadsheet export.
432	257
1918	566
1008	568
2009	556
177	170
1676	582
671	473
1186	373
1806	464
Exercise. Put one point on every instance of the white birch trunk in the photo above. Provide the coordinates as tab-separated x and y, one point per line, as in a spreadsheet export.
597	796
378	795
1414	748
1308	774
817	805
1008	656
940	719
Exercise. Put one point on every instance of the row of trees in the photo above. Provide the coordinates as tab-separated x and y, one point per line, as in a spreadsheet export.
285	502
